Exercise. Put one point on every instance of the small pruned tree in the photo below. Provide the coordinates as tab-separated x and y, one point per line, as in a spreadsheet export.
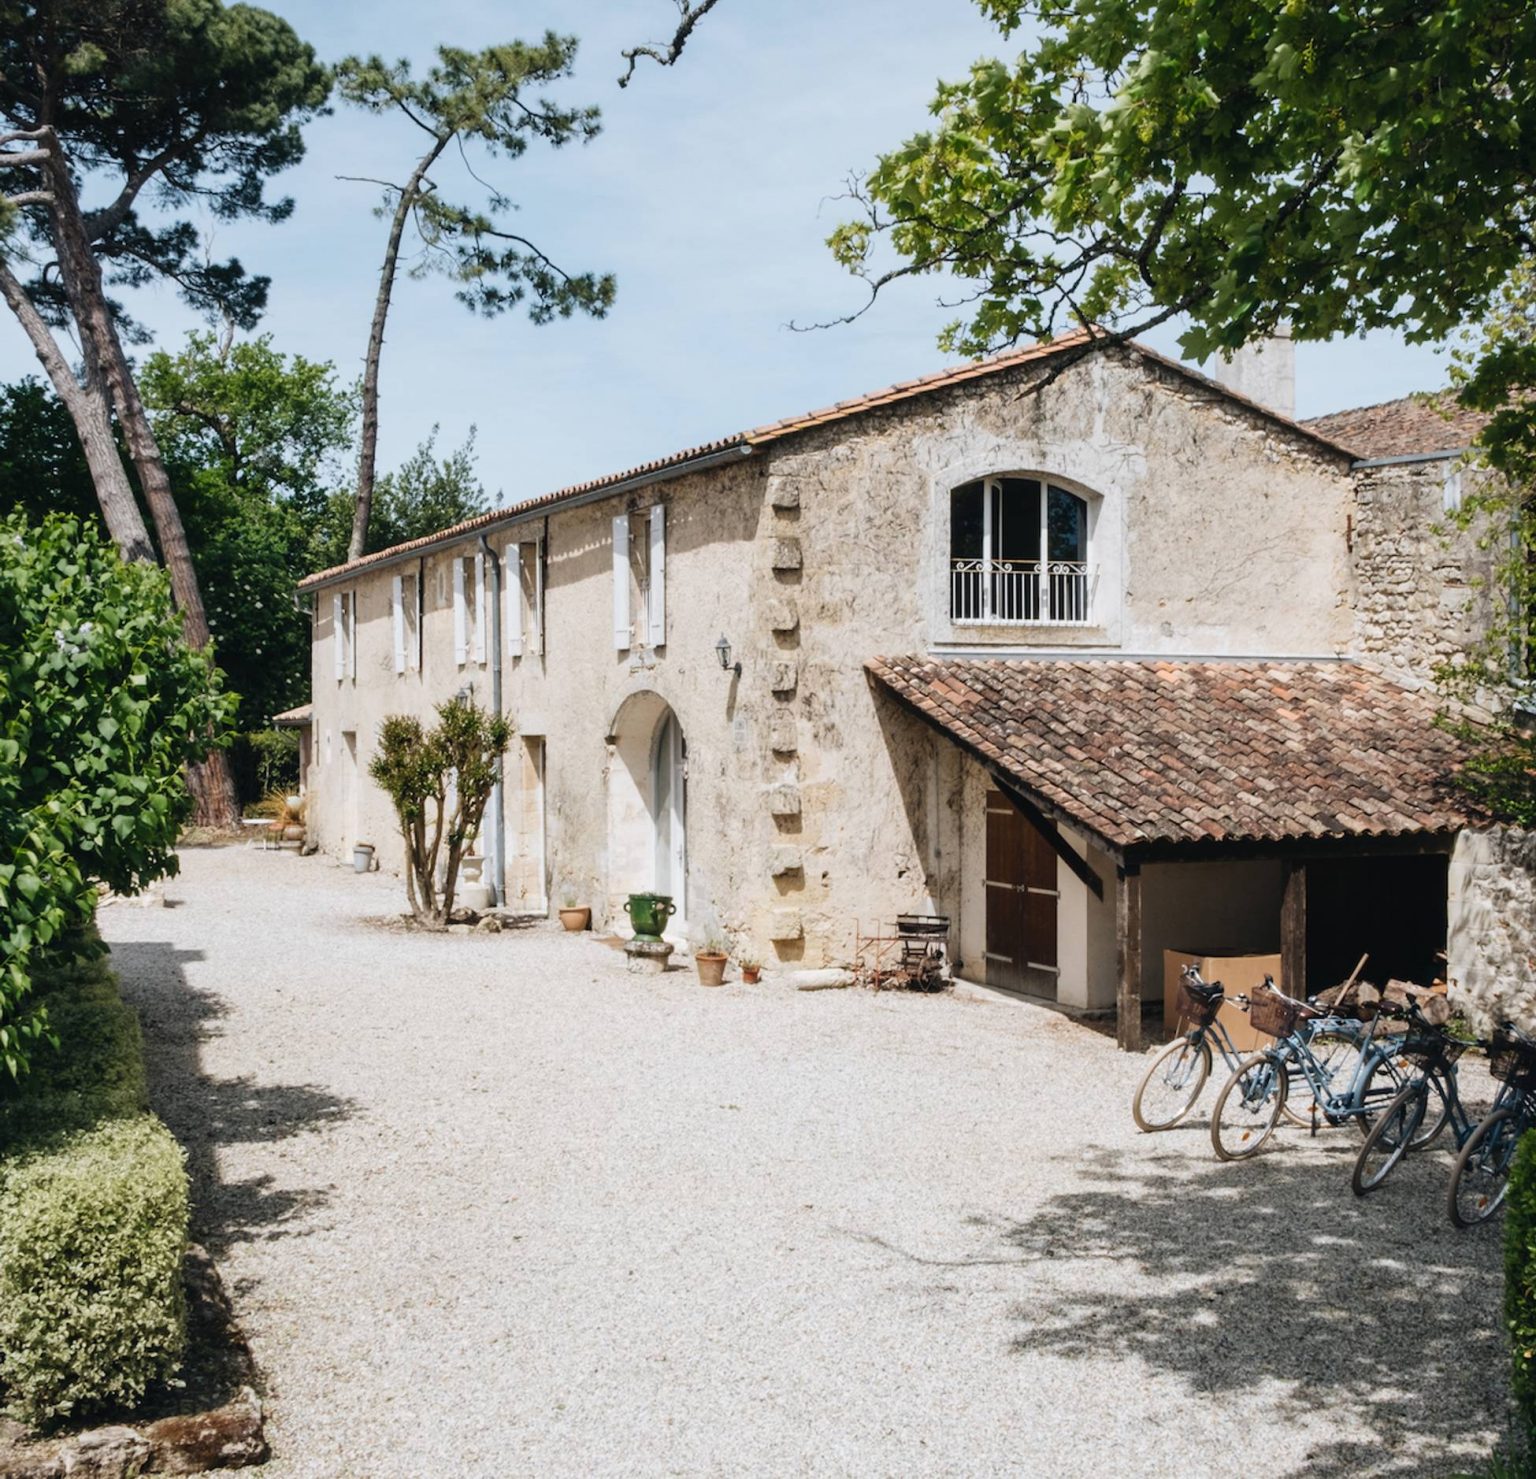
439	780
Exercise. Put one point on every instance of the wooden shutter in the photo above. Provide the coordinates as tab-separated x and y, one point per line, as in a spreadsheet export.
621	582
512	578
352	635
656	597
482	616
538	597
339	636
397	612
460	638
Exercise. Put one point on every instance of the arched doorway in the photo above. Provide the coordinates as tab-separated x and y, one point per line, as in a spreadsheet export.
648	804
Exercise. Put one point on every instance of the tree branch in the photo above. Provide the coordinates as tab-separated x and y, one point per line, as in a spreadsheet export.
665	54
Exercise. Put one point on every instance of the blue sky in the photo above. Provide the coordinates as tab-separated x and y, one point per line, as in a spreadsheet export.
709	194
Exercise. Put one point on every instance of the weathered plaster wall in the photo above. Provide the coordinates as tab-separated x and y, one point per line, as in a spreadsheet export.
813	802
1421	592
1491	949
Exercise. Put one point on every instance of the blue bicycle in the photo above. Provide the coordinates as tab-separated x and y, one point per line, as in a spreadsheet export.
1345	1071
1175	1078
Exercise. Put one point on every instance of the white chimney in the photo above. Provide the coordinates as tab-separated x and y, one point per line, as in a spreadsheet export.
1263	371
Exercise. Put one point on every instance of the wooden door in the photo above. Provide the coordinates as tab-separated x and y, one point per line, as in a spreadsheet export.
1021	902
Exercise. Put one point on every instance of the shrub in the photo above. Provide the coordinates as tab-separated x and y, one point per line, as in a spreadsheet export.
1520	1286
93	1207
101	706
93	1227
94	1067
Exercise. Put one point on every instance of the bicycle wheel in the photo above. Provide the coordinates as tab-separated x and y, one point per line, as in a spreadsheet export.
1338	1055
1391	1137
1388	1079
1247	1107
1170	1086
1481	1176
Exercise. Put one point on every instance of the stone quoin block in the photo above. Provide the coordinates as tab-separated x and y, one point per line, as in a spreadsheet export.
786	554
785	495
783	676
782	737
784	801
785	924
783	616
783	861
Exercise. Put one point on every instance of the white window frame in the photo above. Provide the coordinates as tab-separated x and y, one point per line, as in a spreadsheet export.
523	564
622	620
988	561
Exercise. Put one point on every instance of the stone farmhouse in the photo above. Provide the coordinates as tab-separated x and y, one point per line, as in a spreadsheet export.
1093	655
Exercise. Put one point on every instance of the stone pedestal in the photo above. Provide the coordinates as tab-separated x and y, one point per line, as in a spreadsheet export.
647	957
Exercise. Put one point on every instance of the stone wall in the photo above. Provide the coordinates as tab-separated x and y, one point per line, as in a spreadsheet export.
1492	949
1421	593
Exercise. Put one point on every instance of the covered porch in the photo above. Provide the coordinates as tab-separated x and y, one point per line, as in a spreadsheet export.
1300	811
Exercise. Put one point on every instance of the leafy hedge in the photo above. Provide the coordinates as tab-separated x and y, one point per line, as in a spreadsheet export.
1520	1285
93	1211
101	706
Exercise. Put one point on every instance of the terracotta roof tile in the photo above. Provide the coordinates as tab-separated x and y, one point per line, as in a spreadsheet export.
1403	428
1143	752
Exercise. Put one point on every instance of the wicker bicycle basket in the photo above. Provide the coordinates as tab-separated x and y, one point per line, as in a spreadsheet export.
1432	1052
1271	1014
1512	1060
1197	1007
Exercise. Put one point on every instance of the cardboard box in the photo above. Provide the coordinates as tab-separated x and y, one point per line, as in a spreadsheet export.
1238	973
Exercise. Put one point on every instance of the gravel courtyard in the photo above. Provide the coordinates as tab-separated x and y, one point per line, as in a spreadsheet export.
488	1205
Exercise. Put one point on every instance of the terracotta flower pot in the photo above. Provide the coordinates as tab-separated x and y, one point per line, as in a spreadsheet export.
576	919
711	968
750	973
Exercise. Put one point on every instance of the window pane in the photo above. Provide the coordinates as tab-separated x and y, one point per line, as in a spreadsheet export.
1068	520
1016	530
965	522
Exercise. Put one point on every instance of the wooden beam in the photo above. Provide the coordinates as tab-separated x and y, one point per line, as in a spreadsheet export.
1128	957
1049	830
1293	929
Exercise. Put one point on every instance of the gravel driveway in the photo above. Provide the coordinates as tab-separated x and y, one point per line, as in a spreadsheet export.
488	1205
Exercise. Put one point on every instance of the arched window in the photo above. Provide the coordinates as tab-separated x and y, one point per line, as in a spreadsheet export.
1018	554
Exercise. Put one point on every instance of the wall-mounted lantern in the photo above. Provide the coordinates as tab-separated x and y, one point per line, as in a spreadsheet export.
723	652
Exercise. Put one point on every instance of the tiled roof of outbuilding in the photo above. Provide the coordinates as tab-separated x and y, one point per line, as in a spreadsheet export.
744	442
1146	751
1412	426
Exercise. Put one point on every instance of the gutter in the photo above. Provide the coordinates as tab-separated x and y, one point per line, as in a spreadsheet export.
1363	463
537	508
498	789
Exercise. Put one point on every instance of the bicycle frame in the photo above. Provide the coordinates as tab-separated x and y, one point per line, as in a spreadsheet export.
1294	1053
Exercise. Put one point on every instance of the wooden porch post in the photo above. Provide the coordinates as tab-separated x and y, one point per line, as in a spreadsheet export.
1293	930
1128	957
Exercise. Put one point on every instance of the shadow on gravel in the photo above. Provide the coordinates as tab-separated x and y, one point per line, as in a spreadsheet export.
1272	1274
206	1113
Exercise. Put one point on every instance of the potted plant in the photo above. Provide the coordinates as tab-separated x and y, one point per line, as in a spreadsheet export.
710	958
750	971
575	917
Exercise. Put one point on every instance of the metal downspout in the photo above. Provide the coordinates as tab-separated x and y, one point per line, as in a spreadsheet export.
498	811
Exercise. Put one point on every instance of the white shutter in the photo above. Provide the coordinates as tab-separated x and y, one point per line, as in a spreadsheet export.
512	578
656	598
538	597
338	637
480	612
397	611
352	635
621	582
460	642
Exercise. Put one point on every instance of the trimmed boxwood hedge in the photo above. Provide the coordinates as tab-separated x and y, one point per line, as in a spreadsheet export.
93	1212
1520	1286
